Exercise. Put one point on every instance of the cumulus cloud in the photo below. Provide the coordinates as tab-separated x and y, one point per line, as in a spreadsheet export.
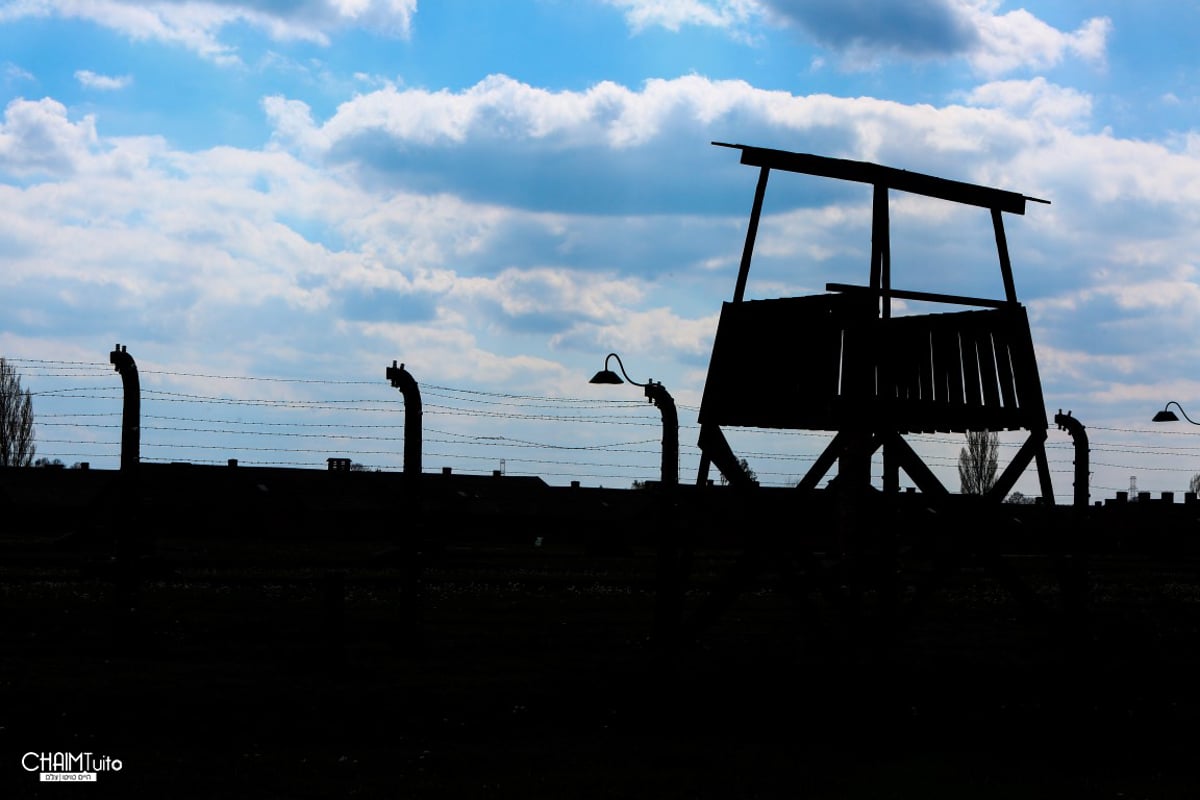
197	25
911	27
202	246
455	355
552	300
104	83
1018	39
506	141
634	150
36	137
866	33
1034	98
650	331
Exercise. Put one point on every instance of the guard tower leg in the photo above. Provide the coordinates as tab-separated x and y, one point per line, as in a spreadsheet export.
716	449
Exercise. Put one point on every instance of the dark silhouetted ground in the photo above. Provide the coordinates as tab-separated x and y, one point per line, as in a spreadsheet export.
527	672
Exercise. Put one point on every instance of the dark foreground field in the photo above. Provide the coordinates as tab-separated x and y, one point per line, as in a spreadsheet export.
528	672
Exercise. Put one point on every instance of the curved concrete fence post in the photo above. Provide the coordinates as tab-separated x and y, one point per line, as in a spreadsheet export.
131	410
403	380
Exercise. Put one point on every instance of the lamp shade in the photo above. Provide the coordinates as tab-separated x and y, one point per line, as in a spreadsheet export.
606	376
1166	416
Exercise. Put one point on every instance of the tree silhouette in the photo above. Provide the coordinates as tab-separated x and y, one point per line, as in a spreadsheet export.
1194	484
977	462
16	420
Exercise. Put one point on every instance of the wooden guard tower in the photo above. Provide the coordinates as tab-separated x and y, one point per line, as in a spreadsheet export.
840	362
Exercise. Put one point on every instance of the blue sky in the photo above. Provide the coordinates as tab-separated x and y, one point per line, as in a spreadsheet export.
500	193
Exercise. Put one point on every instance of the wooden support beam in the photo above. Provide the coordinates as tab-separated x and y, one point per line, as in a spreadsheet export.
908	460
760	192
1010	289
928	297
881	250
1034	445
824	461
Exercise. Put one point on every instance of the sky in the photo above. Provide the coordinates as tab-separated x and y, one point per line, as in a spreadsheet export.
267	203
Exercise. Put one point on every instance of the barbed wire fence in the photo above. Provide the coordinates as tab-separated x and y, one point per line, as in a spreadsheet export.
206	418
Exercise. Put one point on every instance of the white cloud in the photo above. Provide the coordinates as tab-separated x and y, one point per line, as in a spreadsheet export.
1035	98
539	291
649	332
292	125
504	141
36	137
197	25
864	30
16	74
104	83
675	14
1018	39
455	355
867	33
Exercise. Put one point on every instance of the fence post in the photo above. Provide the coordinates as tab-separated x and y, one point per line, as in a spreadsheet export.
1080	438
127	545
131	411
403	380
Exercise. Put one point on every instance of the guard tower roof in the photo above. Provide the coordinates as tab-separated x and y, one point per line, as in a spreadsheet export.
890	177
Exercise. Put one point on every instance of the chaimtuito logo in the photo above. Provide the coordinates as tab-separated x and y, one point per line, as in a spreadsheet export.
69	767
